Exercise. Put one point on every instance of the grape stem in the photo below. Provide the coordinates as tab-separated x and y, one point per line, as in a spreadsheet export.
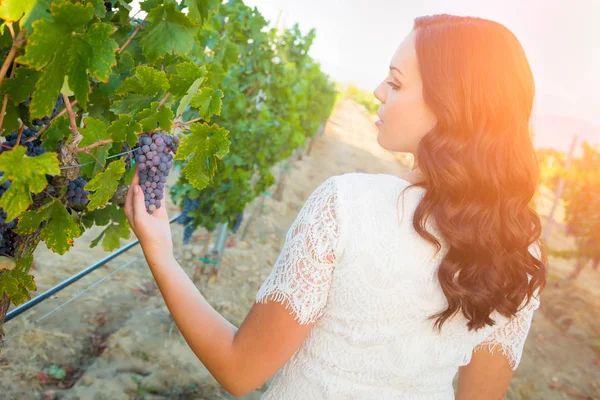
191	121
11	29
19	135
38	134
76	135
137	29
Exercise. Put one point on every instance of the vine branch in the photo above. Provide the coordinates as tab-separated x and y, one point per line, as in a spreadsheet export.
11	55
137	29
76	135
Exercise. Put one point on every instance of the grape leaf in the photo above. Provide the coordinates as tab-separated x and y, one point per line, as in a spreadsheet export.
187	74
72	46
228	53
24	11
105	184
117	230
208	102
59	229
28	175
201	149
94	131
100	216
99	7
123	130
153	117
20	86
199	9
169	32
146	81
15	284
11	122
185	100
58	130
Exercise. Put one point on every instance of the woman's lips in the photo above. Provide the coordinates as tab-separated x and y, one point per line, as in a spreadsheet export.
379	122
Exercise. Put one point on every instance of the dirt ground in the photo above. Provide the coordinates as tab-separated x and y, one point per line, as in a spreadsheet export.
116	340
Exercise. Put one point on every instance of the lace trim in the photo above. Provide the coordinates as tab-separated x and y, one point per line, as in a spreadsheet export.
303	272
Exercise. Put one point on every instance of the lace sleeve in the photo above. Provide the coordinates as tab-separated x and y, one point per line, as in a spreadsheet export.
510	338
303	271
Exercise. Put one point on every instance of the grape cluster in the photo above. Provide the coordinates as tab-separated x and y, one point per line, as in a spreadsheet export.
154	161
76	193
187	220
239	217
34	148
7	235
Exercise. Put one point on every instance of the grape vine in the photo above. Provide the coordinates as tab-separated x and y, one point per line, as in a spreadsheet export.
86	84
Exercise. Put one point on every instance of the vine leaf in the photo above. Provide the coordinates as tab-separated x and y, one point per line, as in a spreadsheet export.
70	45
59	229
15	284
20	86
153	117
94	131
117	230
201	149
139	90
169	32
28	175
104	184
57	131
24	11
185	100
123	130
187	74
208	102
199	9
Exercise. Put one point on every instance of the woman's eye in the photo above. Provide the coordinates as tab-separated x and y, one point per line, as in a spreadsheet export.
393	86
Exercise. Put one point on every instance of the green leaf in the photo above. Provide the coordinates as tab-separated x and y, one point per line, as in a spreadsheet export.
147	81
20	86
131	104
123	130
169	32
100	216
71	45
94	131
105	184
99	8
15	284
185	101
112	235
58	130
28	175
201	150
155	117
208	102
187	74
11	122
199	9
228	53
59	229
24	11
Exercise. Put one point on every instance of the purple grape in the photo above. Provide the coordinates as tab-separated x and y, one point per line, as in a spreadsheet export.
145	148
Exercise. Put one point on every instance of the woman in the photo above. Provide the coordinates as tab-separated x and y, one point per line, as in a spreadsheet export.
387	286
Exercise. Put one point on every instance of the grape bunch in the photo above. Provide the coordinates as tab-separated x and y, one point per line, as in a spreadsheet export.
34	148
154	161
239	217
7	235
76	193
187	220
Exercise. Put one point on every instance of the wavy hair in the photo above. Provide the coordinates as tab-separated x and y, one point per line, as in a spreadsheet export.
480	167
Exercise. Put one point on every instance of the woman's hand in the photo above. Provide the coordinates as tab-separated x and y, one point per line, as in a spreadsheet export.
152	230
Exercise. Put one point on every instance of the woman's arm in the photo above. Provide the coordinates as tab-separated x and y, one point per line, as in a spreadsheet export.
241	360
487	376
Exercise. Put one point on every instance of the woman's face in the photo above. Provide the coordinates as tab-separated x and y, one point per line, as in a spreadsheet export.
404	117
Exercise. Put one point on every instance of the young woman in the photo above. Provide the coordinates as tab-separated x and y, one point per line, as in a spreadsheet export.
387	286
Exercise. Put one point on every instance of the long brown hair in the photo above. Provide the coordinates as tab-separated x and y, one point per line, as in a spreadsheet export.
480	166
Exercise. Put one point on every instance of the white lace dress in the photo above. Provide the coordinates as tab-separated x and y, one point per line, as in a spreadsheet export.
353	264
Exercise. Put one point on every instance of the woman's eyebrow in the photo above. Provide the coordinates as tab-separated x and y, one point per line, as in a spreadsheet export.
394	68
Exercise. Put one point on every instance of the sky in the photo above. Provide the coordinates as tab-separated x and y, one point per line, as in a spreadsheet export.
356	39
